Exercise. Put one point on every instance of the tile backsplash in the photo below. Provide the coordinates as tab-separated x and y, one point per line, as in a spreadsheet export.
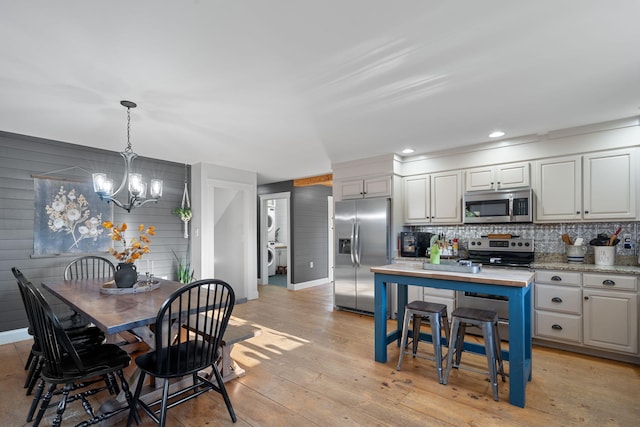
547	237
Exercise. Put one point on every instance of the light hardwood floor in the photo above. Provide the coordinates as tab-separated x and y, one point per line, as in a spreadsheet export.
314	366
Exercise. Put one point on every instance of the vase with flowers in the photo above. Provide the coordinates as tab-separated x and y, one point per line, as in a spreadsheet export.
126	274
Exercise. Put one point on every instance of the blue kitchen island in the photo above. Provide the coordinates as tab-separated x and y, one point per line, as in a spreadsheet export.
516	285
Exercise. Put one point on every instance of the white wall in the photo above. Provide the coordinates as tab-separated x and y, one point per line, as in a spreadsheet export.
224	228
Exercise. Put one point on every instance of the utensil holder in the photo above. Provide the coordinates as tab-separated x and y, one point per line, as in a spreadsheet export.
575	254
604	255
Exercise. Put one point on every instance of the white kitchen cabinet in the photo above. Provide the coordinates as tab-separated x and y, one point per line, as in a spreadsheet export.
433	198
610	312
589	310
501	177
558	306
609	185
597	186
364	188
558	189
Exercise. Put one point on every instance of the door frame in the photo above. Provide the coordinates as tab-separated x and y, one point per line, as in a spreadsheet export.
262	253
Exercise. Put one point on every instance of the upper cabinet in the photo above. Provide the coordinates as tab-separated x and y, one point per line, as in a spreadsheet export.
499	177
364	188
596	186
433	199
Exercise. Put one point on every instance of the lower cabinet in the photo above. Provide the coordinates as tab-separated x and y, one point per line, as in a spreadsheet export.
587	309
610	320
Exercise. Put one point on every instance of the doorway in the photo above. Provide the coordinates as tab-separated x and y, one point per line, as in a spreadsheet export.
275	239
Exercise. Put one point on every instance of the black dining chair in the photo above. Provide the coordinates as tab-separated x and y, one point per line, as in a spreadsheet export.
188	331
80	372
89	267
83	336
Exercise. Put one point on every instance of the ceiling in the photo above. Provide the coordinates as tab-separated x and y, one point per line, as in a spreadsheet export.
286	88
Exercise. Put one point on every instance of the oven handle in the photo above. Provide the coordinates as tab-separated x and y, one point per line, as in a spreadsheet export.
511	207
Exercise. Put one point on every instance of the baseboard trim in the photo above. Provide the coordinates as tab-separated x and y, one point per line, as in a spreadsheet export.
15	335
309	284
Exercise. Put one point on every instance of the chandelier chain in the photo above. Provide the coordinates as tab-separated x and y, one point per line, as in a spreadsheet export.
128	149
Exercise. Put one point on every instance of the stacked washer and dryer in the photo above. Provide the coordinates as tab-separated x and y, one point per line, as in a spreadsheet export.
271	237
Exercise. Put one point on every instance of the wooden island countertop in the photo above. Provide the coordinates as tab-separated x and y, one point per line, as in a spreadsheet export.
489	276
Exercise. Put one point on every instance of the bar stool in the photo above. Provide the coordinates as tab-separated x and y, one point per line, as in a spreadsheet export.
437	314
487	321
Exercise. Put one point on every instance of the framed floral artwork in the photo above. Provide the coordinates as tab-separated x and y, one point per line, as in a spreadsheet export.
68	218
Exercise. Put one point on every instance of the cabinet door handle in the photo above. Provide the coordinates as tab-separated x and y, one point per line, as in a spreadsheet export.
608	282
556	327
556	299
586	212
577	212
586	298
556	278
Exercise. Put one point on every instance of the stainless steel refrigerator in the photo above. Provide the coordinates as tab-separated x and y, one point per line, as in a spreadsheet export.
362	238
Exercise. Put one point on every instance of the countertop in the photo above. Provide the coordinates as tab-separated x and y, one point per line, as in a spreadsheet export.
503	277
587	268
548	265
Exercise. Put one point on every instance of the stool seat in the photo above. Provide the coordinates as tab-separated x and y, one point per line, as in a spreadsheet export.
437	314
429	307
487	321
474	314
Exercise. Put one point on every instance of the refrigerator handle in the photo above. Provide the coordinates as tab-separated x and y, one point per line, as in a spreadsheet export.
352	247
356	248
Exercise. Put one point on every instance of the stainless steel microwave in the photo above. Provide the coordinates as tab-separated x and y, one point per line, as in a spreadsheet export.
498	206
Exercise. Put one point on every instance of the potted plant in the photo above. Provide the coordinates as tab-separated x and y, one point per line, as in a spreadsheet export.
126	275
185	214
185	273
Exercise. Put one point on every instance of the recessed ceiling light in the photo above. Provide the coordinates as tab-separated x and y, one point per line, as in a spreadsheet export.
408	151
496	134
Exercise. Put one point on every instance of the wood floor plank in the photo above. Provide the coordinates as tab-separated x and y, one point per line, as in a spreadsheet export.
314	366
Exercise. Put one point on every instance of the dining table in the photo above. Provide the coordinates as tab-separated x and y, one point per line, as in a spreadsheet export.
119	310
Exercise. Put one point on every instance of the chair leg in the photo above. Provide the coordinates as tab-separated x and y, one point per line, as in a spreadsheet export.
133	405
62	405
490	348
453	342
434	320
29	360
462	330
405	338
417	321
127	394
164	403
44	405
223	392
33	379
497	340
36	399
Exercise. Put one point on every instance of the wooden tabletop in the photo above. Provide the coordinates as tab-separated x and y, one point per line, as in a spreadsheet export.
502	277
112	313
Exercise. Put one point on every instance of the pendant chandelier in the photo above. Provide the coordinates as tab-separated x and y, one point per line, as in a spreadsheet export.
132	182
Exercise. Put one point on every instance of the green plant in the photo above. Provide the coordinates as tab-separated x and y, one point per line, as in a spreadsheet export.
185	273
184	213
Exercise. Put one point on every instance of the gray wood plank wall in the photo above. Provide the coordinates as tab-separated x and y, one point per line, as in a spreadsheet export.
22	156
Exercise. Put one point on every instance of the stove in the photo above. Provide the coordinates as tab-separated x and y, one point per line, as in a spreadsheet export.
511	252
508	253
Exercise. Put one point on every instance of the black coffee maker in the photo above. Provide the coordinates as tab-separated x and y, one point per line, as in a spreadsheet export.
414	243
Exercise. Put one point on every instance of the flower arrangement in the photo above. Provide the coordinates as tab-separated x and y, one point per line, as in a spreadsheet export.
138	245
